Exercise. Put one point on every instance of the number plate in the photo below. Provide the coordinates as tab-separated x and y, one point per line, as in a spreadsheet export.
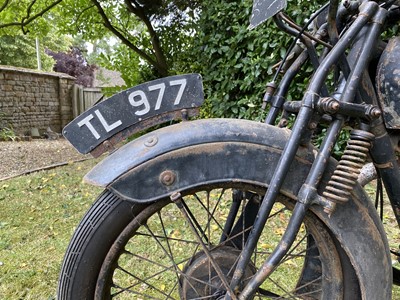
265	9
132	106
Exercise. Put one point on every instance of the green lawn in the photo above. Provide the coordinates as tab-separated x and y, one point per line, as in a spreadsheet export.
38	214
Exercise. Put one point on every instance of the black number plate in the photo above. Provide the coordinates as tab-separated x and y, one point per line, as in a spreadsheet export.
265	9
133	106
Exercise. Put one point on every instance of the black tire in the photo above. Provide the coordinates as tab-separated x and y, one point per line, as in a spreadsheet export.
127	251
90	243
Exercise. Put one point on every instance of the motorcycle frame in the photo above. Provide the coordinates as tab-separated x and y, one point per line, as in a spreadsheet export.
354	97
355	91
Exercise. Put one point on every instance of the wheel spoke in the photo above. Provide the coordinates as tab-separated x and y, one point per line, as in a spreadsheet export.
170	255
289	255
155	275
210	214
292	294
144	281
164	268
282	289
233	211
190	249
192	220
132	292
221	275
169	238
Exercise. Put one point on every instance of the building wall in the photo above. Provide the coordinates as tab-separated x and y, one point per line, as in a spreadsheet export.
34	99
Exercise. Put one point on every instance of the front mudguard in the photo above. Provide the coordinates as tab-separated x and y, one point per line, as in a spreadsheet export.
200	153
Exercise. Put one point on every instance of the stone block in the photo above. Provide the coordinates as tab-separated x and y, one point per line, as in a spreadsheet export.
11	75
8	87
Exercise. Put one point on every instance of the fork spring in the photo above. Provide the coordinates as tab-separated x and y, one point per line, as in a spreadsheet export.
346	174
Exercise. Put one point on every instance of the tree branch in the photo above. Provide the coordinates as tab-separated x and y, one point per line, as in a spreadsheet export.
28	11
28	14
3	7
131	7
138	10
26	20
124	40
81	14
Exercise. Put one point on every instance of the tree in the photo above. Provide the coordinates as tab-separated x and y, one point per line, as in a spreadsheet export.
20	50
21	22
153	30
122	59
25	15
160	34
74	64
236	63
110	54
156	31
154	34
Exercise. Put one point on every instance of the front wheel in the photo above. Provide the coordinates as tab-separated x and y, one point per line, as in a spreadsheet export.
160	251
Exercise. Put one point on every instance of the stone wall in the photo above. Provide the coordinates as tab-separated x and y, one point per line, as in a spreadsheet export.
33	99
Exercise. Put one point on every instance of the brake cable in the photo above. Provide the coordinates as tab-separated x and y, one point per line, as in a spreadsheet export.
297	37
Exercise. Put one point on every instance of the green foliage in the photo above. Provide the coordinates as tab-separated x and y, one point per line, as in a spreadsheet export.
341	142
7	134
20	50
123	60
231	59
156	33
236	62
27	16
6	131
21	22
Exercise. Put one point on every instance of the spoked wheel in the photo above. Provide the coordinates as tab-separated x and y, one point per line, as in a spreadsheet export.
191	251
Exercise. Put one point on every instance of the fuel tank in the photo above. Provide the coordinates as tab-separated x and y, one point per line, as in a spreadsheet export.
388	83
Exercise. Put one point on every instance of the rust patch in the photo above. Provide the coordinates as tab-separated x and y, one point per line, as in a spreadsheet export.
145	124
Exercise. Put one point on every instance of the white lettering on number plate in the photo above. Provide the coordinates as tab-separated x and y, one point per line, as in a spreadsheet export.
139	100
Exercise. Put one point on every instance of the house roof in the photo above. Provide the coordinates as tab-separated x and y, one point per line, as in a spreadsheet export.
107	78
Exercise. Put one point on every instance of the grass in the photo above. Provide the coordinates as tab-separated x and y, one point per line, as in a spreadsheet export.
392	231
38	214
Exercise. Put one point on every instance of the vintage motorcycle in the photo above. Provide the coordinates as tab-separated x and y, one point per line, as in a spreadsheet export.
237	209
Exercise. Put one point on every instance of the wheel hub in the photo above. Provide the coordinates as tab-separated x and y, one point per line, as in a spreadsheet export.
199	279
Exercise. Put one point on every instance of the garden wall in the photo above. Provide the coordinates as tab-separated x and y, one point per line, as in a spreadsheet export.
33	99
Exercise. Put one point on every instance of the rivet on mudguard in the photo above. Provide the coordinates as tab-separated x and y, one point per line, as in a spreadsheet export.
167	177
151	141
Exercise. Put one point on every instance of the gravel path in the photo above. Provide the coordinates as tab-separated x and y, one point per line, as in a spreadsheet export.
19	157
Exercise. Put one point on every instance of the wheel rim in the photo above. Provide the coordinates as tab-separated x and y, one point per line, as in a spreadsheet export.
158	256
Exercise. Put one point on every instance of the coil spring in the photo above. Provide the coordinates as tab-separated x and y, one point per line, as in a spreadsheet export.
346	174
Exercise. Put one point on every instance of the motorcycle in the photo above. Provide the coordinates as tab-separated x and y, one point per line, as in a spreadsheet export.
238	209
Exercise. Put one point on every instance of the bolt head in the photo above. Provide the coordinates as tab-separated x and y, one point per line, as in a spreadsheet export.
167	177
376	113
151	141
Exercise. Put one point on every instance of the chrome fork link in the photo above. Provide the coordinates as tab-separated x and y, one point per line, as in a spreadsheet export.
346	174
